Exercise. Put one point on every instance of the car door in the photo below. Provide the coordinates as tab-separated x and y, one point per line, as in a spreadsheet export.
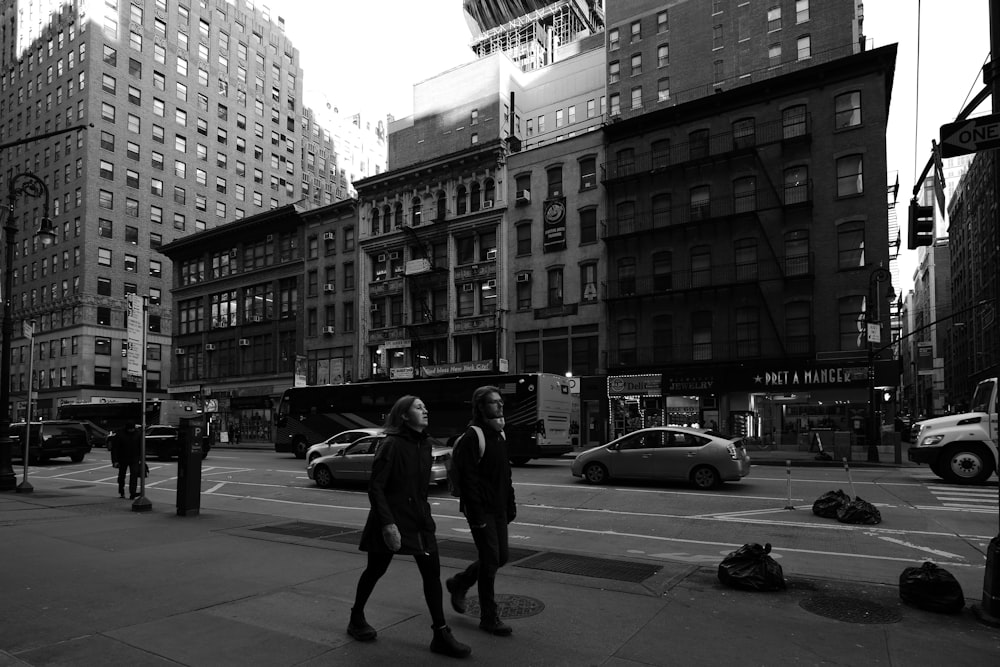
681	451
633	456
356	461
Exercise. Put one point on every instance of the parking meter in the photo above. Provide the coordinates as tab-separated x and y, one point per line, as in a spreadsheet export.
189	468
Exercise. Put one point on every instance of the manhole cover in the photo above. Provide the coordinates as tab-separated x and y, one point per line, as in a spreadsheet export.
850	610
508	606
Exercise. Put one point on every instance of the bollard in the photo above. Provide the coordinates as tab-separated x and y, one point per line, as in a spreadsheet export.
788	475
847	469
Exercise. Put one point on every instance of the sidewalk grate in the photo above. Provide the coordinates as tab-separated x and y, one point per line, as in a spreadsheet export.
589	566
302	529
850	610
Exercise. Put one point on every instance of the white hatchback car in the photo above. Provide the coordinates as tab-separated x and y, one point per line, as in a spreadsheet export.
335	443
703	458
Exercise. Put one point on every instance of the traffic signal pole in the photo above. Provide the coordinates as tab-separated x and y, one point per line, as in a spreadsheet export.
989	612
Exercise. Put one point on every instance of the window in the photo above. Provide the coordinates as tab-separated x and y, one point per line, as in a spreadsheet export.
523	232
793	121
663	265
660	151
796	184
774	19
701	266
698	144
637	97
701	202
615	104
103	257
588	282
803	47
636	29
626	276
613	39
588	173
774	55
798	327
104	286
106	199
636	63
554	175
108	112
717	37
107	170
847	110
745	259
747	332
660	206
850	180
701	335
555	286
662	24
801	11
745	194
105	228
851	245
850	316
797	253
662	55
627	339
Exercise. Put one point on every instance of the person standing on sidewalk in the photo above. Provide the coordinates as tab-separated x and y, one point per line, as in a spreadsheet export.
487	500
400	521
126	454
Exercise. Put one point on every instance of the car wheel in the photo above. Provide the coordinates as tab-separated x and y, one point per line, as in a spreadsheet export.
595	473
705	477
299	447
519	460
323	477
76	458
967	463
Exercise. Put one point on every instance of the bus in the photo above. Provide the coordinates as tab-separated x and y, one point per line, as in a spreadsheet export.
537	408
104	418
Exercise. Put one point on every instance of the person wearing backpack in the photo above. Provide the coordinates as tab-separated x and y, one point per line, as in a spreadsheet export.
486	497
400	522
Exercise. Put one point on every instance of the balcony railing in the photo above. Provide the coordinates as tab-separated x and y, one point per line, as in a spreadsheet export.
709	278
751	202
715	145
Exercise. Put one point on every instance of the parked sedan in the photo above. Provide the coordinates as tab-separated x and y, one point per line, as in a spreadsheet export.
335	443
704	458
354	463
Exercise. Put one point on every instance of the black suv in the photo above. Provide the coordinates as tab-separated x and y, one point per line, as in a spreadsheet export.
164	442
51	439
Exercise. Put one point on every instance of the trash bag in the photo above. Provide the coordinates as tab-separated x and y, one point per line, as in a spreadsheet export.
751	568
830	503
932	588
859	511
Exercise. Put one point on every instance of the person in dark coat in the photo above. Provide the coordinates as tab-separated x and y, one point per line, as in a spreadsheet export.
400	521
126	454
487	500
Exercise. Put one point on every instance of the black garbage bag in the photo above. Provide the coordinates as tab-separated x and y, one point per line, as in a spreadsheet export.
830	503
859	511
932	588
751	568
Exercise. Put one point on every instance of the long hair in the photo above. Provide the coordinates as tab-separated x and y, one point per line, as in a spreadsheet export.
479	400
394	420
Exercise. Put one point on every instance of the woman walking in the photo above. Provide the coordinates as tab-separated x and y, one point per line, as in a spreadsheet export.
400	521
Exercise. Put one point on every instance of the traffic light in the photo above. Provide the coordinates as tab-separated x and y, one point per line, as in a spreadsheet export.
921	231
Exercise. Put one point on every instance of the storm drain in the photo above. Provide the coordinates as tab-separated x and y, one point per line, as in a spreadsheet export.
508	606
588	566
302	529
850	610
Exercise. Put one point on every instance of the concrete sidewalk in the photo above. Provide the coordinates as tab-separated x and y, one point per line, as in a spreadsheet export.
87	581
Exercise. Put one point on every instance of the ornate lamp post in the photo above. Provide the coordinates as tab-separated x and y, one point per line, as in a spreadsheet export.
24	184
873	320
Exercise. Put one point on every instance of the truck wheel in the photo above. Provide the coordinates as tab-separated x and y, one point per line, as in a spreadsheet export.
299	448
967	463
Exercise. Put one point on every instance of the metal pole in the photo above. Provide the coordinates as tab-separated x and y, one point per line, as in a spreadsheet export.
25	486
142	504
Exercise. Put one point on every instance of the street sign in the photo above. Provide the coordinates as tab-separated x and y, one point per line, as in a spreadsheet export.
135	325
969	136
874	333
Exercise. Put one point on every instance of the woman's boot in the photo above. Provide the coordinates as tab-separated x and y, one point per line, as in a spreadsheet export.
446	644
358	627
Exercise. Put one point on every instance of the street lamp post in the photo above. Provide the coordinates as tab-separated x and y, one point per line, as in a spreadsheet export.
873	320
24	184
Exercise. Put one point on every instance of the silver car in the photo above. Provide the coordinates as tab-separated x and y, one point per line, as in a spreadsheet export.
704	458
354	463
335	443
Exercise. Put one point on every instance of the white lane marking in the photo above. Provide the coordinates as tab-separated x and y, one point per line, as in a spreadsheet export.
214	488
943	554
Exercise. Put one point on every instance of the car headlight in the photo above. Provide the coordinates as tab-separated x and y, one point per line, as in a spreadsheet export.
931	440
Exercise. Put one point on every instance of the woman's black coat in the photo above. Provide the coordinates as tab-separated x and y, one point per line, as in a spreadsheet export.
401	474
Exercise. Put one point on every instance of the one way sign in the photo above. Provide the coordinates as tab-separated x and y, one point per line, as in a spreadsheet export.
969	136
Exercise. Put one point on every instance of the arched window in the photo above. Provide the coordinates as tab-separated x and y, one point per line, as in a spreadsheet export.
745	254
701	266
796	184
663	267
745	194
661	153
797	252
375	221
386	219
625	217
397	221
701	202
415	211
661	210
489	190
442	205
460	200
626	276
474	197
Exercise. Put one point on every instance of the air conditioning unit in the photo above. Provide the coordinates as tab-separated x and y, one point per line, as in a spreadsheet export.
329	287
523	277
329	236
256	318
491	255
374	307
380	258
210	347
523	196
589	182
467	287
329	330
244	342
233	253
180	352
394	255
487	203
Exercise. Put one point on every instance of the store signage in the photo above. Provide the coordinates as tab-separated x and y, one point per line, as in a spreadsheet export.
462	367
635	385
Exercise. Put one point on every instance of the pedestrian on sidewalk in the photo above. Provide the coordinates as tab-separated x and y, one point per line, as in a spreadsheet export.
400	521
487	500
126	453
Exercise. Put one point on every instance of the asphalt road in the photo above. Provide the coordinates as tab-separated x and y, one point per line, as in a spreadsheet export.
922	518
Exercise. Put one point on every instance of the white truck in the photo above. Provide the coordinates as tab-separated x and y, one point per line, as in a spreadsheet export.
961	449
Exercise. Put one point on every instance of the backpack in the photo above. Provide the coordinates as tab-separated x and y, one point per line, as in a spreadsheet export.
453	483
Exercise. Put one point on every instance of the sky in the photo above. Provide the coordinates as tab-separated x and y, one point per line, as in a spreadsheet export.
366	56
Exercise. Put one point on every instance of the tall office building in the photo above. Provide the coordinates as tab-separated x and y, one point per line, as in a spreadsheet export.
193	118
